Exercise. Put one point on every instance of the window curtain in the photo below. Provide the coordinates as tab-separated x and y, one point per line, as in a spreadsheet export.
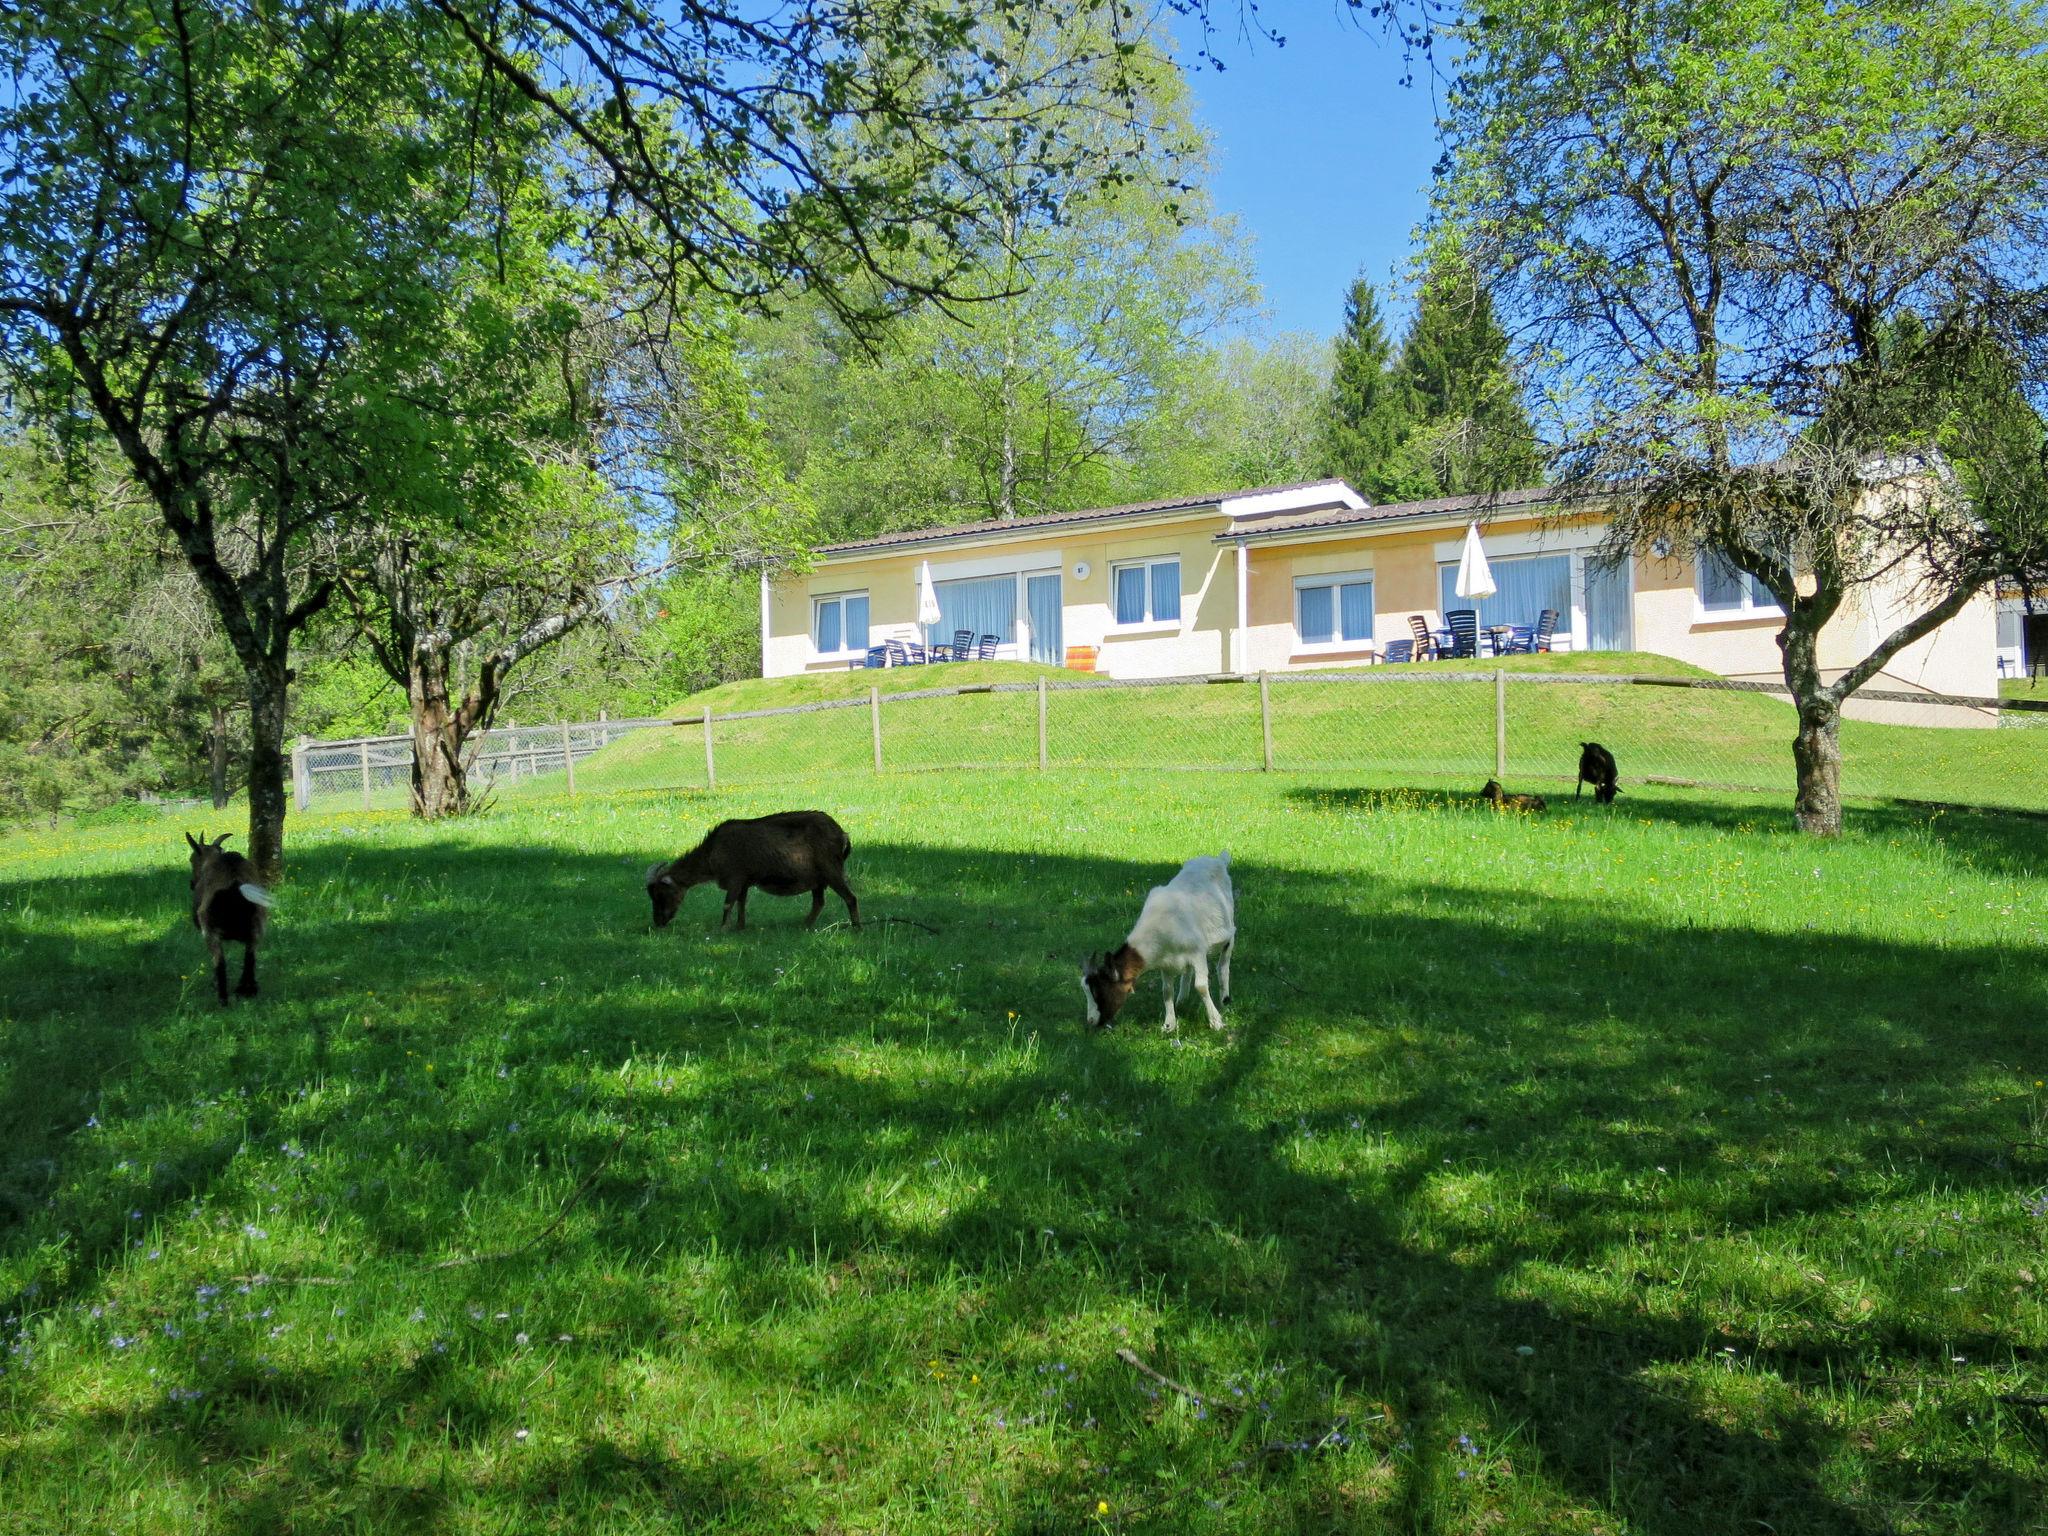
1130	594
1528	584
828	628
1166	591
855	623
1354	610
987	605
1722	585
1318	616
1043	594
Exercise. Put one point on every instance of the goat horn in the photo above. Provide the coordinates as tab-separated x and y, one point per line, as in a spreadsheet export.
193	842
652	871
222	840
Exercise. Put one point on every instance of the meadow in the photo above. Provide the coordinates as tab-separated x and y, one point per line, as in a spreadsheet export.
1648	1169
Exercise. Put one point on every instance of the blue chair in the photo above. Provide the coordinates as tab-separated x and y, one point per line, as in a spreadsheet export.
963	645
1546	626
1399	650
878	656
988	648
1464	623
1521	641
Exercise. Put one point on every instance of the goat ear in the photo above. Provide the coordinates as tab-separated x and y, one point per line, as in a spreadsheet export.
193	842
653	870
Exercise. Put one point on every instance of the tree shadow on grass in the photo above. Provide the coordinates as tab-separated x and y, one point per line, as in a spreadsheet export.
2013	843
1487	1038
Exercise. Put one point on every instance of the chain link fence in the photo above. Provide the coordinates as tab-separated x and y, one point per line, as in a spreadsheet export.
1385	725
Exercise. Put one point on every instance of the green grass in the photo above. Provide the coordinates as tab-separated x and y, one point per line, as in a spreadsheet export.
1651	1170
1395	732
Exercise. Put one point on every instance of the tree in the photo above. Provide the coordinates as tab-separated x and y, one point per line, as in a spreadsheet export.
1708	223
1369	416
1251	414
227	232
1468	422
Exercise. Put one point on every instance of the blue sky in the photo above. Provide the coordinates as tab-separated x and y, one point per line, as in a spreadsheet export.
1322	154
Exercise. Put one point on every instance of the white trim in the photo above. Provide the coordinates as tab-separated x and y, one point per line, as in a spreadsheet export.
1540	541
1302	498
818	600
1307	647
1244	609
1036	563
1146	563
766	599
1149	627
1085	528
1749	611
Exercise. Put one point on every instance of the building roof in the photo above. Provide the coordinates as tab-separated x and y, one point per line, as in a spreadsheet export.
1339	498
1401	511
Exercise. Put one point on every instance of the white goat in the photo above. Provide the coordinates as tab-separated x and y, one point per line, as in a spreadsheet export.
1184	921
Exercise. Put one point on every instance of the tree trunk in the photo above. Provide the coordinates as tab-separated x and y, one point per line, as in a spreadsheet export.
268	767
440	785
1817	748
217	748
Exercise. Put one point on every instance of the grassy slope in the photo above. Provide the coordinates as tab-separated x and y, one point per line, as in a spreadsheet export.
1649	1171
1404	733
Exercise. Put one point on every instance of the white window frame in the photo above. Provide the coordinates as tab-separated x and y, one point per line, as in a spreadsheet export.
1334	579
1148	624
818	602
1750	609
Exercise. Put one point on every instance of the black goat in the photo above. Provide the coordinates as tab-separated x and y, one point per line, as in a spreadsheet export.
786	854
228	906
1503	801
1596	767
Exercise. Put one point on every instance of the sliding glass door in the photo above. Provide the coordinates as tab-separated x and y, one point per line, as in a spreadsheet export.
1044	618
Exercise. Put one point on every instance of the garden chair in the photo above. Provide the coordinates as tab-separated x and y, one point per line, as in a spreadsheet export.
1424	642
1464	623
988	648
878	656
1546	626
1400	650
963	645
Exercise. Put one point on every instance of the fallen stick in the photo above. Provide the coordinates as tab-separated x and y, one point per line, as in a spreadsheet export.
1130	1358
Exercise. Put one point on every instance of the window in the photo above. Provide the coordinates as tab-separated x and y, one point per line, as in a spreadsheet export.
1524	586
840	624
1725	592
1333	610
981	605
1147	591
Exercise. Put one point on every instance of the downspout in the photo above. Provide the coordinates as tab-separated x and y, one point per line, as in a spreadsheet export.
1244	608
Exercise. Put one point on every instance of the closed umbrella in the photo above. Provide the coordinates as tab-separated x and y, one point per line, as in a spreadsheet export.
927	596
1475	578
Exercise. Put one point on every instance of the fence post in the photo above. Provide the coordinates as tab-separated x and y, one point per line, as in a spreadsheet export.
1500	723
568	760
1266	720
710	762
875	723
604	734
1041	726
302	785
363	755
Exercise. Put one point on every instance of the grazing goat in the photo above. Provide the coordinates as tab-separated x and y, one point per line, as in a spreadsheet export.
1596	767
1503	801
1183	920
228	906
786	854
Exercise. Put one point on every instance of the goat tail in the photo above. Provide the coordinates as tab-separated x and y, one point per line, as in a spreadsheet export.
255	895
1226	858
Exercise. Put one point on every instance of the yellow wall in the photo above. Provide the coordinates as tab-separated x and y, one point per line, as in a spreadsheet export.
1958	658
1198	642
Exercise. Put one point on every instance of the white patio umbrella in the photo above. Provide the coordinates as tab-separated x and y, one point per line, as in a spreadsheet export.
1475	577
927	596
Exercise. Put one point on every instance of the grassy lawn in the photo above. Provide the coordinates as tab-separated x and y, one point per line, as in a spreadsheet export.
1395	731
1648	1170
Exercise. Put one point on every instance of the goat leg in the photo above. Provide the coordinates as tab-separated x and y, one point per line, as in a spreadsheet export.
741	925
817	906
219	952
846	895
246	987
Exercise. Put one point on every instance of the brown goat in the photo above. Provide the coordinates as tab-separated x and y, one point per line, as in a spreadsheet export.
228	906
1503	801
786	854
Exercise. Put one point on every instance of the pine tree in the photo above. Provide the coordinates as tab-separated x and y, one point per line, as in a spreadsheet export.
1469	427
1367	416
